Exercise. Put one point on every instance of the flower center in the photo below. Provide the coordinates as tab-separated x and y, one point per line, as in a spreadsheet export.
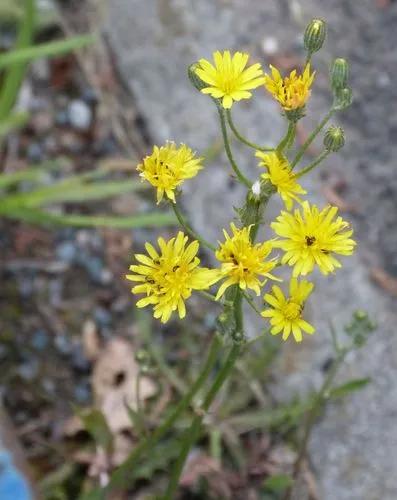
292	311
310	240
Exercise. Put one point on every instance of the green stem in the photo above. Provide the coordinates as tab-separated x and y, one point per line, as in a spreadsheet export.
258	337
314	164
193	431
311	419
14	76
241	138
209	296
287	140
311	137
120	477
240	176
248	298
189	230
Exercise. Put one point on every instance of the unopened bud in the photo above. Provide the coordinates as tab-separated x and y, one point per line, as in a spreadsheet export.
315	35
196	81
339	74
343	98
334	139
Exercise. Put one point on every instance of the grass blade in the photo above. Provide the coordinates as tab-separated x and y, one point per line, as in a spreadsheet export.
15	74
154	219
12	122
51	49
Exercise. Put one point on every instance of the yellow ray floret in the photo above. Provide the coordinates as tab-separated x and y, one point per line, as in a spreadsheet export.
286	312
167	277
243	263
228	80
312	237
293	91
280	175
167	167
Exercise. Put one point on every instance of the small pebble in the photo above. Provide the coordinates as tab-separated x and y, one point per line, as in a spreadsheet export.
28	370
80	115
67	251
79	362
40	340
62	118
35	152
82	393
102	317
63	344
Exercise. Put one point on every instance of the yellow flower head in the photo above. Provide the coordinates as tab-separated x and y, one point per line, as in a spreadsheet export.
168	277
313	237
293	91
167	167
286	313
280	175
228	79
243	262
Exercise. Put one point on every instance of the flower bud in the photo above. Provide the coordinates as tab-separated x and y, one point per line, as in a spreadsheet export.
343	98
339	74
334	139
196	81
315	35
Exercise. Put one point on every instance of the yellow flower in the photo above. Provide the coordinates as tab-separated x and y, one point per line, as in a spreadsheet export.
293	91
280	175
228	79
286	313
243	262
167	167
312	237
168	277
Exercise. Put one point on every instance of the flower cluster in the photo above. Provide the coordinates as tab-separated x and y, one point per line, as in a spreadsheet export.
308	237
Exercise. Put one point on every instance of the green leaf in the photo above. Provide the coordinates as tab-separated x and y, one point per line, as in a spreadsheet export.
95	423
14	77
349	387
36	216
70	190
12	122
95	494
31	173
50	49
277	483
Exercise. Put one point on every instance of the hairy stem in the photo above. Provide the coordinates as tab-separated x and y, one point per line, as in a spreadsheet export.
241	138
288	139
189	230
312	165
193	431
311	137
240	176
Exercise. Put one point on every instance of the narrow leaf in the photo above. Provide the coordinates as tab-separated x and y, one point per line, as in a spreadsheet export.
37	216
50	49
348	387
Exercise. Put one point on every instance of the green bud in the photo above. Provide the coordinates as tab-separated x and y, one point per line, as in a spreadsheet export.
294	115
343	98
142	357
339	74
238	337
196	81
334	139
315	35
360	315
